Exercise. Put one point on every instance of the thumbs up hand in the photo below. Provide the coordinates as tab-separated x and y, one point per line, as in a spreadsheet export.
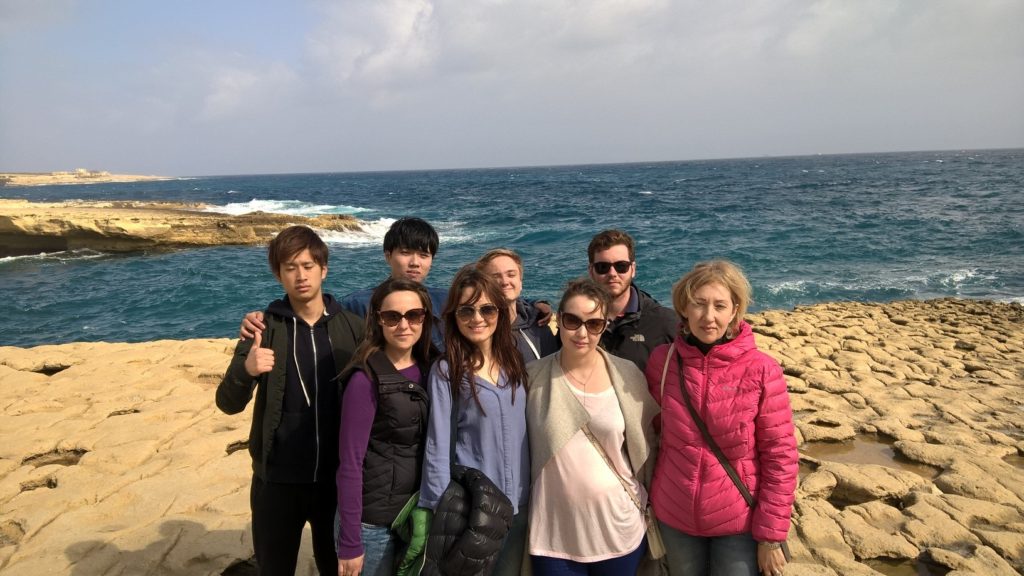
260	359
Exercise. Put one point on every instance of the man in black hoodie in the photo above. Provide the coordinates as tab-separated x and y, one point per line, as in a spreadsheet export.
291	365
637	323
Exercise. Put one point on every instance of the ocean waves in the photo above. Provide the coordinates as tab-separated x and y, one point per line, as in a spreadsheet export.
887	284
293	207
810	229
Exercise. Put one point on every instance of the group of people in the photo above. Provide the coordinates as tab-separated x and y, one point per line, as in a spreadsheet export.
629	429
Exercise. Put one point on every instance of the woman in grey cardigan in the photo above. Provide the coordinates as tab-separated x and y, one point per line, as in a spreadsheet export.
589	417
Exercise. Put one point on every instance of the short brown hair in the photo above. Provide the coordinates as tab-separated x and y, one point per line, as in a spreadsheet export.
291	241
713	272
588	289
608	238
495	253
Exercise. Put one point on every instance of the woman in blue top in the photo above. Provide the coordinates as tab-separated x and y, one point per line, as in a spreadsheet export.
490	400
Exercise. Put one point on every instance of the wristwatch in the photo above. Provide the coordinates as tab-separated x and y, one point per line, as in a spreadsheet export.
770	545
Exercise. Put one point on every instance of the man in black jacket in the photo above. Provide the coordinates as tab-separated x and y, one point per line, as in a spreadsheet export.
292	364
637	323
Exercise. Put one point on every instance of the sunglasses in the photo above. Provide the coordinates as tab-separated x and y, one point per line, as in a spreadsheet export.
390	318
466	313
572	323
622	266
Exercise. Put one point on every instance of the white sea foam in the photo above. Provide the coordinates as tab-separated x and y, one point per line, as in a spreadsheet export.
292	207
372	233
776	288
62	256
646	192
923	284
957	277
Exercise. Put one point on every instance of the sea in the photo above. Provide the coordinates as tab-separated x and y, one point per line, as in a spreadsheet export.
806	229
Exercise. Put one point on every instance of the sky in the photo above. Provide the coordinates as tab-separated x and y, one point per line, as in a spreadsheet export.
206	87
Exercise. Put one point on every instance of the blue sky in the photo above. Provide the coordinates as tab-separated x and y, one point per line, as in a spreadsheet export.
229	87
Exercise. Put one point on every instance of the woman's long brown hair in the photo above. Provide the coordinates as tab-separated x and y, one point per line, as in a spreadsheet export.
464	358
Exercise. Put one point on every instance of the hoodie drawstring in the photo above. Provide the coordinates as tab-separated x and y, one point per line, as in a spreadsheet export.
295	358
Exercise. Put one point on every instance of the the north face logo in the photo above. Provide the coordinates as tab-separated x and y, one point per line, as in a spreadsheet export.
637	338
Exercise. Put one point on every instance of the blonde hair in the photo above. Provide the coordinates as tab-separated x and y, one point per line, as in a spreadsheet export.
721	272
496	252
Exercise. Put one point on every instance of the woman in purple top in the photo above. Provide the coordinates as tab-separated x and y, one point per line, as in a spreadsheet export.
383	426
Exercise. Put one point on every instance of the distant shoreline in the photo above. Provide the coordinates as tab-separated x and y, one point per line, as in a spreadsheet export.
78	176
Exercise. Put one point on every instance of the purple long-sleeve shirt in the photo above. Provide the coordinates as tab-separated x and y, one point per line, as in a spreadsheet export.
358	407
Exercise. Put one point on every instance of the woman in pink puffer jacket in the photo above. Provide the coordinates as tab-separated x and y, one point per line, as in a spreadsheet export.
740	394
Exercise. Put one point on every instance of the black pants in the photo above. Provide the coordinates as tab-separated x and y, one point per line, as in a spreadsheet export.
279	513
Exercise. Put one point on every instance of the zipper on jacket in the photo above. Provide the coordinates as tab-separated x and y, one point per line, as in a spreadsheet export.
316	403
295	360
536	353
701	411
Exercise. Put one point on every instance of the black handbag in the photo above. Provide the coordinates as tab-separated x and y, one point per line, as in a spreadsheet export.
751	501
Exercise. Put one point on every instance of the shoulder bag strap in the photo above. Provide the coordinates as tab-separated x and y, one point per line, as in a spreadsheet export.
664	371
608	461
711	441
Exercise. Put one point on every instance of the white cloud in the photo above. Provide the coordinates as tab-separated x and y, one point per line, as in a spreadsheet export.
376	42
379	84
247	92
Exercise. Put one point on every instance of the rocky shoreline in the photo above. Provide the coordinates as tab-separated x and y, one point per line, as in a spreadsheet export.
910	417
35	227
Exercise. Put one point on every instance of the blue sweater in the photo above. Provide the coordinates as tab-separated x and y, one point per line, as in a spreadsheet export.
495	444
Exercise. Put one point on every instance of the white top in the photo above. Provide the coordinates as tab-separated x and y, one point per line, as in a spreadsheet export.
578	509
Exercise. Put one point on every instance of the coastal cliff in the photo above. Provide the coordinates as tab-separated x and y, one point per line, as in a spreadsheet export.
909	415
34	227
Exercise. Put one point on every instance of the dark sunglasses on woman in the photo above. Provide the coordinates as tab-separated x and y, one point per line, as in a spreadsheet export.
621	266
572	322
390	318
466	313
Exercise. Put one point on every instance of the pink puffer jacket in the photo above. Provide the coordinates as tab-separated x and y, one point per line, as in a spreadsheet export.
740	393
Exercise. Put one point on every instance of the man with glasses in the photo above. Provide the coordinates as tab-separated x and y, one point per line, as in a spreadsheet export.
637	322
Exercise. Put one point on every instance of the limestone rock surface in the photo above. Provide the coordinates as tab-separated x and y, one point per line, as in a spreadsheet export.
115	460
34	227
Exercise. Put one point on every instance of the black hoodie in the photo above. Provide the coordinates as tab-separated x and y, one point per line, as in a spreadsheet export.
294	436
533	341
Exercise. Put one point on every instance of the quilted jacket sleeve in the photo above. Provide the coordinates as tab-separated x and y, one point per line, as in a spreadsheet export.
777	453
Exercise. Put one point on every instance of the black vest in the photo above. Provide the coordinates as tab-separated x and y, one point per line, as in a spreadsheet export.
394	455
